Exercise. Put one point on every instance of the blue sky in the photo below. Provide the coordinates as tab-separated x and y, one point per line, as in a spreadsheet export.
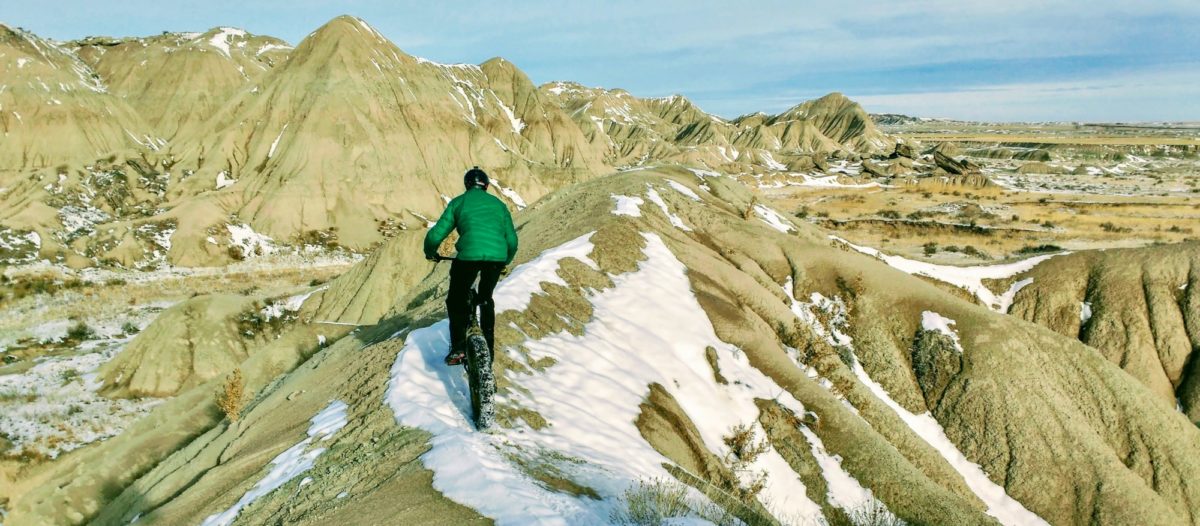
1016	60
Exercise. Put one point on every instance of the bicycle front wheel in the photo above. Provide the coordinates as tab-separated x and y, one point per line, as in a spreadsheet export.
482	380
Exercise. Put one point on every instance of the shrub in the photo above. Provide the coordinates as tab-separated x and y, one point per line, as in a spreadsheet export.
80	331
744	449
651	503
889	214
129	328
975	252
744	444
874	514
1108	226
1038	249
232	397
930	248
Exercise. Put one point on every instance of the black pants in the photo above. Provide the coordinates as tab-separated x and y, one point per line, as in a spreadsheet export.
462	276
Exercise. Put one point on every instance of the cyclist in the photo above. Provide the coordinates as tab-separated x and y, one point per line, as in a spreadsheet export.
486	245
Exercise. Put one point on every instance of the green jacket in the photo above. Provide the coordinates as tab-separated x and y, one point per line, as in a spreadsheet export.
485	228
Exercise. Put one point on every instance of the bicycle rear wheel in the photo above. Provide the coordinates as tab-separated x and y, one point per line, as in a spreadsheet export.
482	380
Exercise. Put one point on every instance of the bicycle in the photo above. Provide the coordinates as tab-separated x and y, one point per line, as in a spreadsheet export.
481	380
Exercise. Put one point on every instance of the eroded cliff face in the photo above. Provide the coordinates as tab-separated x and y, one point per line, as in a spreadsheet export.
1139	307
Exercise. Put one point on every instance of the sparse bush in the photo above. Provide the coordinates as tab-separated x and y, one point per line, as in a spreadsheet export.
1038	249
744	448
889	214
1048	225
930	248
232	397
316	282
656	502
129	328
744	444
975	252
68	375
874	514
80	332
1108	226
651	503
235	253
1176	229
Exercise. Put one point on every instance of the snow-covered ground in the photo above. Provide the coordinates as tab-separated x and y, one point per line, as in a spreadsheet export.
53	407
627	205
969	278
592	425
772	218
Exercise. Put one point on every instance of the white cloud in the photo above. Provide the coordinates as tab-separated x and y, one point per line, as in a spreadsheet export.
1145	96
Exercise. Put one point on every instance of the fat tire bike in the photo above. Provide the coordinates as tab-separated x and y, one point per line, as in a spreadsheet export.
481	380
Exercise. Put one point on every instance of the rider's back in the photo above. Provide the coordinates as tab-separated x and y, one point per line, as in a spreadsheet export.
485	227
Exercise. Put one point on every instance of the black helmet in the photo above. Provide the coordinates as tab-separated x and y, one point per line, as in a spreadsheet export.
476	177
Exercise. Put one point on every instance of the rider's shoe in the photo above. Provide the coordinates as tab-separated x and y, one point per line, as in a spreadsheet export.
456	356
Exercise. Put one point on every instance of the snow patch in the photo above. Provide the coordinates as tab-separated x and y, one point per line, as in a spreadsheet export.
679	187
516	291
628	205
292	463
772	164
511	194
223	180
252	243
1085	311
271	152
221	39
932	321
970	278
1001	506
773	218
652	194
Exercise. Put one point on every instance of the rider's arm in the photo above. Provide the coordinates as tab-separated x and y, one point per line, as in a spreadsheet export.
510	237
441	229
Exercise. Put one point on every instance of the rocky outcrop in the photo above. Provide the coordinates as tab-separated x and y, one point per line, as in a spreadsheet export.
954	166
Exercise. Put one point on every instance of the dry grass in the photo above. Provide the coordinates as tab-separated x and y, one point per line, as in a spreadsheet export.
1048	139
232	397
864	216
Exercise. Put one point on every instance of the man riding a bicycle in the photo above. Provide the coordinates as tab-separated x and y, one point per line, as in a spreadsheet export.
487	243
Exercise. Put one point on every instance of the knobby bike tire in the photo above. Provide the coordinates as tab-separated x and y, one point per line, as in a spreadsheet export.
482	381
